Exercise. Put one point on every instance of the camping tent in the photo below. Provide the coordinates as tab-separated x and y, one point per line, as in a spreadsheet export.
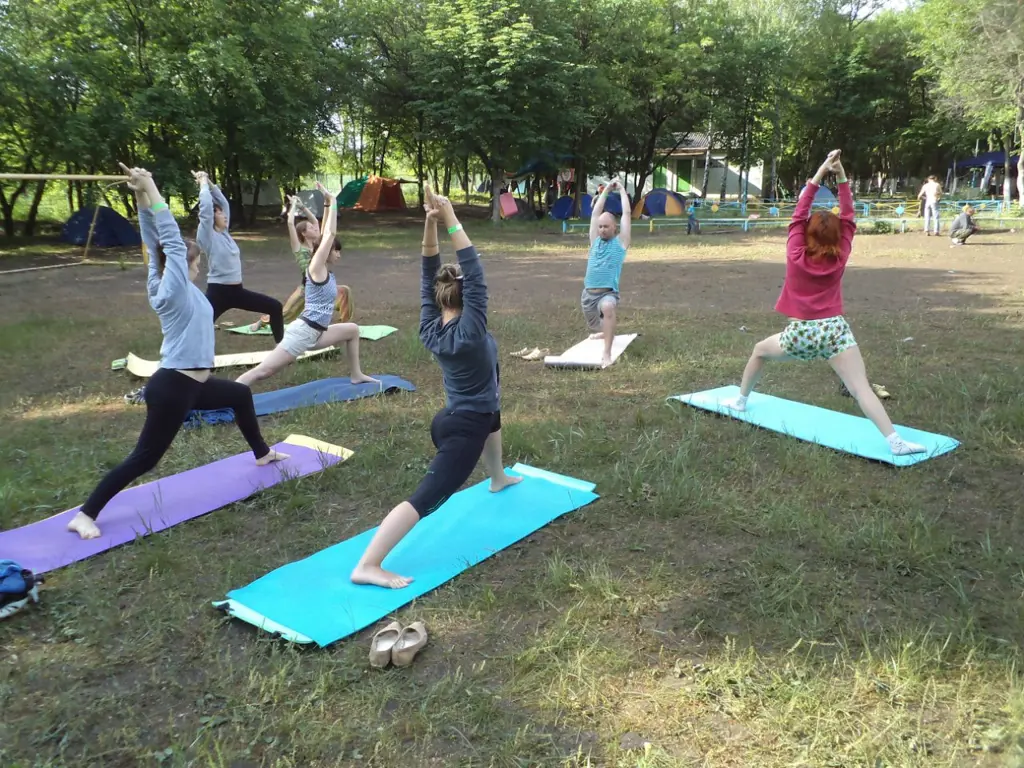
996	158
314	200
380	194
660	202
562	209
112	229
824	196
350	193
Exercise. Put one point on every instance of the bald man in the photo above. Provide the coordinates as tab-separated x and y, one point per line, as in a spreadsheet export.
600	298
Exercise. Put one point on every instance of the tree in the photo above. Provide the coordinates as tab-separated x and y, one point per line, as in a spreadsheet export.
501	80
974	55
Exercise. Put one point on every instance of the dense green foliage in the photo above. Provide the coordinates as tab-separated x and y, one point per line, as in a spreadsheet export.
265	89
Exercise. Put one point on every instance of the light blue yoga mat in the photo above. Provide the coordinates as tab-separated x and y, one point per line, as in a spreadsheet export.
313	600
832	429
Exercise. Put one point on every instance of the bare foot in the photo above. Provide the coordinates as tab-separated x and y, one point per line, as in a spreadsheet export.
596	336
374	574
84	526
505	482
362	378
606	360
272	456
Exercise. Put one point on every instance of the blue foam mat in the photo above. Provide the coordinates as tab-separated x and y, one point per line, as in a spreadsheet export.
832	429
313	600
303	396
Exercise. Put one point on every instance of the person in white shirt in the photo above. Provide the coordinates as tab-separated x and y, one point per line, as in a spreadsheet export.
931	193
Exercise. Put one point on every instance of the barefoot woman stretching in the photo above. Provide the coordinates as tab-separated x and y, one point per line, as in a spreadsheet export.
303	236
453	326
313	329
183	381
818	248
224	280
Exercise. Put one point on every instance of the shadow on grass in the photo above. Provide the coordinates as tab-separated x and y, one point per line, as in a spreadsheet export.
733	596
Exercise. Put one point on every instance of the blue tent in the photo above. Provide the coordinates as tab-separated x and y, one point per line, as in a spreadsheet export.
656	200
562	209
824	196
996	158
112	229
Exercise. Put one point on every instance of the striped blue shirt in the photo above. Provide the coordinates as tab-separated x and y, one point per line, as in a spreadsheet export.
604	266
320	298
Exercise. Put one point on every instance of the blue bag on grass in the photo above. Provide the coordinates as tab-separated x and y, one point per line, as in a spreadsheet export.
17	586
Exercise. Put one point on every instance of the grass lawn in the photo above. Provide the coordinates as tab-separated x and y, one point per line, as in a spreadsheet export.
734	598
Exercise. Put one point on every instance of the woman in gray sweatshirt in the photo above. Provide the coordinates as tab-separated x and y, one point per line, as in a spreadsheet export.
224	288
183	381
453	326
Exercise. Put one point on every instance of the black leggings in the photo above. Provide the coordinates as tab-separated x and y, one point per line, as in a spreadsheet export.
224	297
459	437
170	395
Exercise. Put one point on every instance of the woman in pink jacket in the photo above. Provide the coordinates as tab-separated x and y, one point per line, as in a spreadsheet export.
817	250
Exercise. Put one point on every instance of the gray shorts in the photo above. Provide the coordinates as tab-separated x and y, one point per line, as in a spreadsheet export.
591	304
299	338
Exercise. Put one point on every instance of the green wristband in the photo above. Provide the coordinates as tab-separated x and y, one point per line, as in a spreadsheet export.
158	207
840	181
453	230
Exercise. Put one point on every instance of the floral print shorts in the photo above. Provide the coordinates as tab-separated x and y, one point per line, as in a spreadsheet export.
817	339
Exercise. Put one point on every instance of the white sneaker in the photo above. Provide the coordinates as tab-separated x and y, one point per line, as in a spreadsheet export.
901	447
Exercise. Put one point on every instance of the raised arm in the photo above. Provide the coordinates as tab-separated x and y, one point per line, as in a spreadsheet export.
318	264
473	323
204	232
847	215
798	223
172	284
430	262
596	212
626	222
222	203
293	236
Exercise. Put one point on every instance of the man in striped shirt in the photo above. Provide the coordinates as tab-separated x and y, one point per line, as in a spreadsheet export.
600	298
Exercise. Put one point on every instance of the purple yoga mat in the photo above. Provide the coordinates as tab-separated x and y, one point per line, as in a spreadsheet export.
143	509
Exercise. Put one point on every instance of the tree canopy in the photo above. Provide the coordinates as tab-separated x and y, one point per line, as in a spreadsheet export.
252	90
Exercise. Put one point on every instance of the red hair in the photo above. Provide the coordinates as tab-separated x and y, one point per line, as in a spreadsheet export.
822	235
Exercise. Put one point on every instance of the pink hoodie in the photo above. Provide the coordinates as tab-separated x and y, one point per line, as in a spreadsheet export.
814	290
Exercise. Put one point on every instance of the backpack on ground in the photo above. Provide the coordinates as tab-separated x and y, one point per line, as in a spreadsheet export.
18	586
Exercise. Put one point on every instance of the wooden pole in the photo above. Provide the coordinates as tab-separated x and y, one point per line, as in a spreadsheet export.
59	177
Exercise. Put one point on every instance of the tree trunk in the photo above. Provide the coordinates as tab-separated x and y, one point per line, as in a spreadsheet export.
7	204
707	168
419	159
33	211
255	199
446	180
1020	160
1007	165
495	193
725	179
773	183
468	181
579	186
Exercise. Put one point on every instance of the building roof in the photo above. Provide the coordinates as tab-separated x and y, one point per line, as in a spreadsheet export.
687	144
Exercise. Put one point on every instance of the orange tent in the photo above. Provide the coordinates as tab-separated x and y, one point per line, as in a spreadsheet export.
382	194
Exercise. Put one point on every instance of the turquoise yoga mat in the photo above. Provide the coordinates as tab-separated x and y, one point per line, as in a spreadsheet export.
368	332
832	429
313	600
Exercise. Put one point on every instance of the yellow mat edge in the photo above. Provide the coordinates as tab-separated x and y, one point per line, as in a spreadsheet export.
320	445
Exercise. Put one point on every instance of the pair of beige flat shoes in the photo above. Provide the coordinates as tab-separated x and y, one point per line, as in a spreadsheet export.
397	645
527	354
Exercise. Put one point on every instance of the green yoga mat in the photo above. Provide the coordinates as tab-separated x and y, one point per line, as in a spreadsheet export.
368	332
